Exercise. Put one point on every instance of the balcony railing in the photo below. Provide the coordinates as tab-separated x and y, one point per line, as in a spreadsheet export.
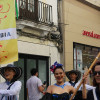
35	11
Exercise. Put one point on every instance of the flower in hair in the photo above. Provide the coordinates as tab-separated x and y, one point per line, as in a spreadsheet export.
52	68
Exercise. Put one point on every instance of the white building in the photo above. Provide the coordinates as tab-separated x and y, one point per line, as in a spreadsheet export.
39	42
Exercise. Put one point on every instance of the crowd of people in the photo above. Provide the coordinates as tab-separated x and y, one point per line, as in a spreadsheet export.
61	90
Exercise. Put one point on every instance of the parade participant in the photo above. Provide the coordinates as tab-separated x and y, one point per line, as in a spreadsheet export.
10	89
58	91
74	77
94	94
34	86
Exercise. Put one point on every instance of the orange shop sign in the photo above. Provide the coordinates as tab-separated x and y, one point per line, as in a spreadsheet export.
91	34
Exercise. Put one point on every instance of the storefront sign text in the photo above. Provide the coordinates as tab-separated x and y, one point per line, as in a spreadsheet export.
91	34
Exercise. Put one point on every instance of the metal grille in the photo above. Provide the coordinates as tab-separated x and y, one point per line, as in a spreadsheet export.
34	10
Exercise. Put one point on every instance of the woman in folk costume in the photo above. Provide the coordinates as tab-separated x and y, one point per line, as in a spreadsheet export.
9	90
59	90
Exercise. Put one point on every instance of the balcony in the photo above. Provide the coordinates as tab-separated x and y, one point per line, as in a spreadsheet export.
36	11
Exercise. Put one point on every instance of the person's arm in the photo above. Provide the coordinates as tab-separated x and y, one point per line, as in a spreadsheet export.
82	95
84	92
14	89
72	89
41	88
49	89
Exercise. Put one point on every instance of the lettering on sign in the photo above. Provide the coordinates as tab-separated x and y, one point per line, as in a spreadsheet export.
91	34
4	35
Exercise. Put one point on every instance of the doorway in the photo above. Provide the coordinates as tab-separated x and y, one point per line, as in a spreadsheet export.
27	62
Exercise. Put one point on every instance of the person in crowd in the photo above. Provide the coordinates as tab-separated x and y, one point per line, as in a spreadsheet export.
34	86
10	89
59	90
74	77
94	94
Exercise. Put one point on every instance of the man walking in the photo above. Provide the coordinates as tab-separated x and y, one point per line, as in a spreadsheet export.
34	86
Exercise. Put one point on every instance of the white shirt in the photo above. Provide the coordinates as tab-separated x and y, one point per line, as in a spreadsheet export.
88	87
14	89
32	85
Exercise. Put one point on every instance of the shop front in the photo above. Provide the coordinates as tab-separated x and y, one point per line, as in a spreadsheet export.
81	35
84	56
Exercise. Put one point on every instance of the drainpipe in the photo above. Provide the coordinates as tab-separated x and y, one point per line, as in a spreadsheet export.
61	26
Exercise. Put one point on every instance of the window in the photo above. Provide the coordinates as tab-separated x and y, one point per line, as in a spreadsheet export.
28	9
84	55
27	62
31	5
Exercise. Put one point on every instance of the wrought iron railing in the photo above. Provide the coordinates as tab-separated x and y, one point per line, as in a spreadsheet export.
44	12
35	11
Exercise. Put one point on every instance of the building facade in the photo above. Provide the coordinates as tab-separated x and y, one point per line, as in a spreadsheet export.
39	39
81	33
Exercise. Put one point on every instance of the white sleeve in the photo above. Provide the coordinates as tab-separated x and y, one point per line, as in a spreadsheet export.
89	87
39	82
14	89
2	85
77	84
67	83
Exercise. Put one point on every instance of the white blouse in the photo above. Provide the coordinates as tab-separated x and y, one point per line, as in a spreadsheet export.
12	92
88	87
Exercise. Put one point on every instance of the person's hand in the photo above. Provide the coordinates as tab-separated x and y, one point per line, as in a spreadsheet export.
84	78
44	92
44	85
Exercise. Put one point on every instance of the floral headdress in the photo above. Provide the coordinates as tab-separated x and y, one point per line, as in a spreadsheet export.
52	68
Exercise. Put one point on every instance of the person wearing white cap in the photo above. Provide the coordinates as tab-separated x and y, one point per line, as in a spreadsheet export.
10	89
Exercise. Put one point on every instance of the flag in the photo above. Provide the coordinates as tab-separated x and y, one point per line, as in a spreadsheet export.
8	36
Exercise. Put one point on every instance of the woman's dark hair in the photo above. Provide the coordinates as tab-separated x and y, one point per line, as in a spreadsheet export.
97	63
33	71
60	67
93	69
